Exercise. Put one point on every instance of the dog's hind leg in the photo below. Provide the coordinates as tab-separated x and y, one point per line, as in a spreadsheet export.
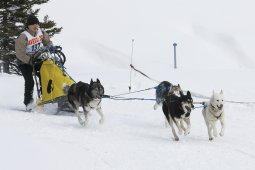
100	112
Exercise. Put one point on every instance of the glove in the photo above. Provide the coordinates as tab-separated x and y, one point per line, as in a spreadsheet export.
37	55
52	49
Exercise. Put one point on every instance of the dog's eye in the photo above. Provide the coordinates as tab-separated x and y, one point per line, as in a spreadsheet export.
217	100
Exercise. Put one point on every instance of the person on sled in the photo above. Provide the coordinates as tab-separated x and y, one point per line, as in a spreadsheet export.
27	45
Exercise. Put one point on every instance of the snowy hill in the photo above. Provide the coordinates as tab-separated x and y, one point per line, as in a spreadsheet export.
214	52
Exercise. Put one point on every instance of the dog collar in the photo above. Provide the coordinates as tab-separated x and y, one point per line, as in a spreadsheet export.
217	117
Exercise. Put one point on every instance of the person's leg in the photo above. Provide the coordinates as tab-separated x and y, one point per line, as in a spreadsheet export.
27	71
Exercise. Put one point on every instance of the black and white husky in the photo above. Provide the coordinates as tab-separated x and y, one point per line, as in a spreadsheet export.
163	90
177	111
213	111
88	96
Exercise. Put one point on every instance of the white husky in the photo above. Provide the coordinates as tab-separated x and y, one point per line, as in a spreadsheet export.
214	111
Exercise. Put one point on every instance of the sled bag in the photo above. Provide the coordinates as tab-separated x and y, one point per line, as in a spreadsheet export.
53	79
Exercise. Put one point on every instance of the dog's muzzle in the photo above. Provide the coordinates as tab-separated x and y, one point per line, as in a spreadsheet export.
99	96
220	107
192	106
188	108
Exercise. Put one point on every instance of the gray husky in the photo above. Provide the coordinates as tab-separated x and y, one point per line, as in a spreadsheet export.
214	111
88	96
163	90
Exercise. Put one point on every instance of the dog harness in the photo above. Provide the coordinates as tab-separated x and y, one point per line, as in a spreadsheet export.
93	107
205	106
217	117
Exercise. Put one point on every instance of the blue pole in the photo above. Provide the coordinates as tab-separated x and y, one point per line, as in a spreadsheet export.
175	62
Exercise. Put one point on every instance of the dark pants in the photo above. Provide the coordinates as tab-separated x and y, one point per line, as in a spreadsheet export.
27	72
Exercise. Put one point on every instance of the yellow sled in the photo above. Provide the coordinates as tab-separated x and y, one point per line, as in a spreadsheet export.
52	78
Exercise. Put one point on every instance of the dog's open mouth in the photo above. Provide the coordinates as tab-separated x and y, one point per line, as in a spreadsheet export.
220	107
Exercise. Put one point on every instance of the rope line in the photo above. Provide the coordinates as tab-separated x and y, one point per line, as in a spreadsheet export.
143	73
116	97
125	98
133	92
197	95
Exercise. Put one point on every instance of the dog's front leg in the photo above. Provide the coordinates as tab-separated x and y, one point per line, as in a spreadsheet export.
207	124
210	128
178	124
173	130
187	131
100	112
182	126
83	117
222	122
215	133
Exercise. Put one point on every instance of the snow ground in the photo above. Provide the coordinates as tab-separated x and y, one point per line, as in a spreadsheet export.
133	136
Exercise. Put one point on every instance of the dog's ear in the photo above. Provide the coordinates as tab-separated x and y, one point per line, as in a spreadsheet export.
188	94
181	93
221	92
179	85
98	80
91	81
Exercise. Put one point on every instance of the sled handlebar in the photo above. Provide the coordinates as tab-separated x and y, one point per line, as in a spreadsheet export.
45	52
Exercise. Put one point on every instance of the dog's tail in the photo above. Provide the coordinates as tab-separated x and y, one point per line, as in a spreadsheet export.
65	88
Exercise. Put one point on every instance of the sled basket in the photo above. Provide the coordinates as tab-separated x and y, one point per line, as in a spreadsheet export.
52	78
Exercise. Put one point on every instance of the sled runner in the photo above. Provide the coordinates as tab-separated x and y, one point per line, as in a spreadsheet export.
50	77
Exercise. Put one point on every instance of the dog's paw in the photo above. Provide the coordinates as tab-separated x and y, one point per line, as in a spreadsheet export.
210	139
101	121
221	133
176	139
82	123
186	132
